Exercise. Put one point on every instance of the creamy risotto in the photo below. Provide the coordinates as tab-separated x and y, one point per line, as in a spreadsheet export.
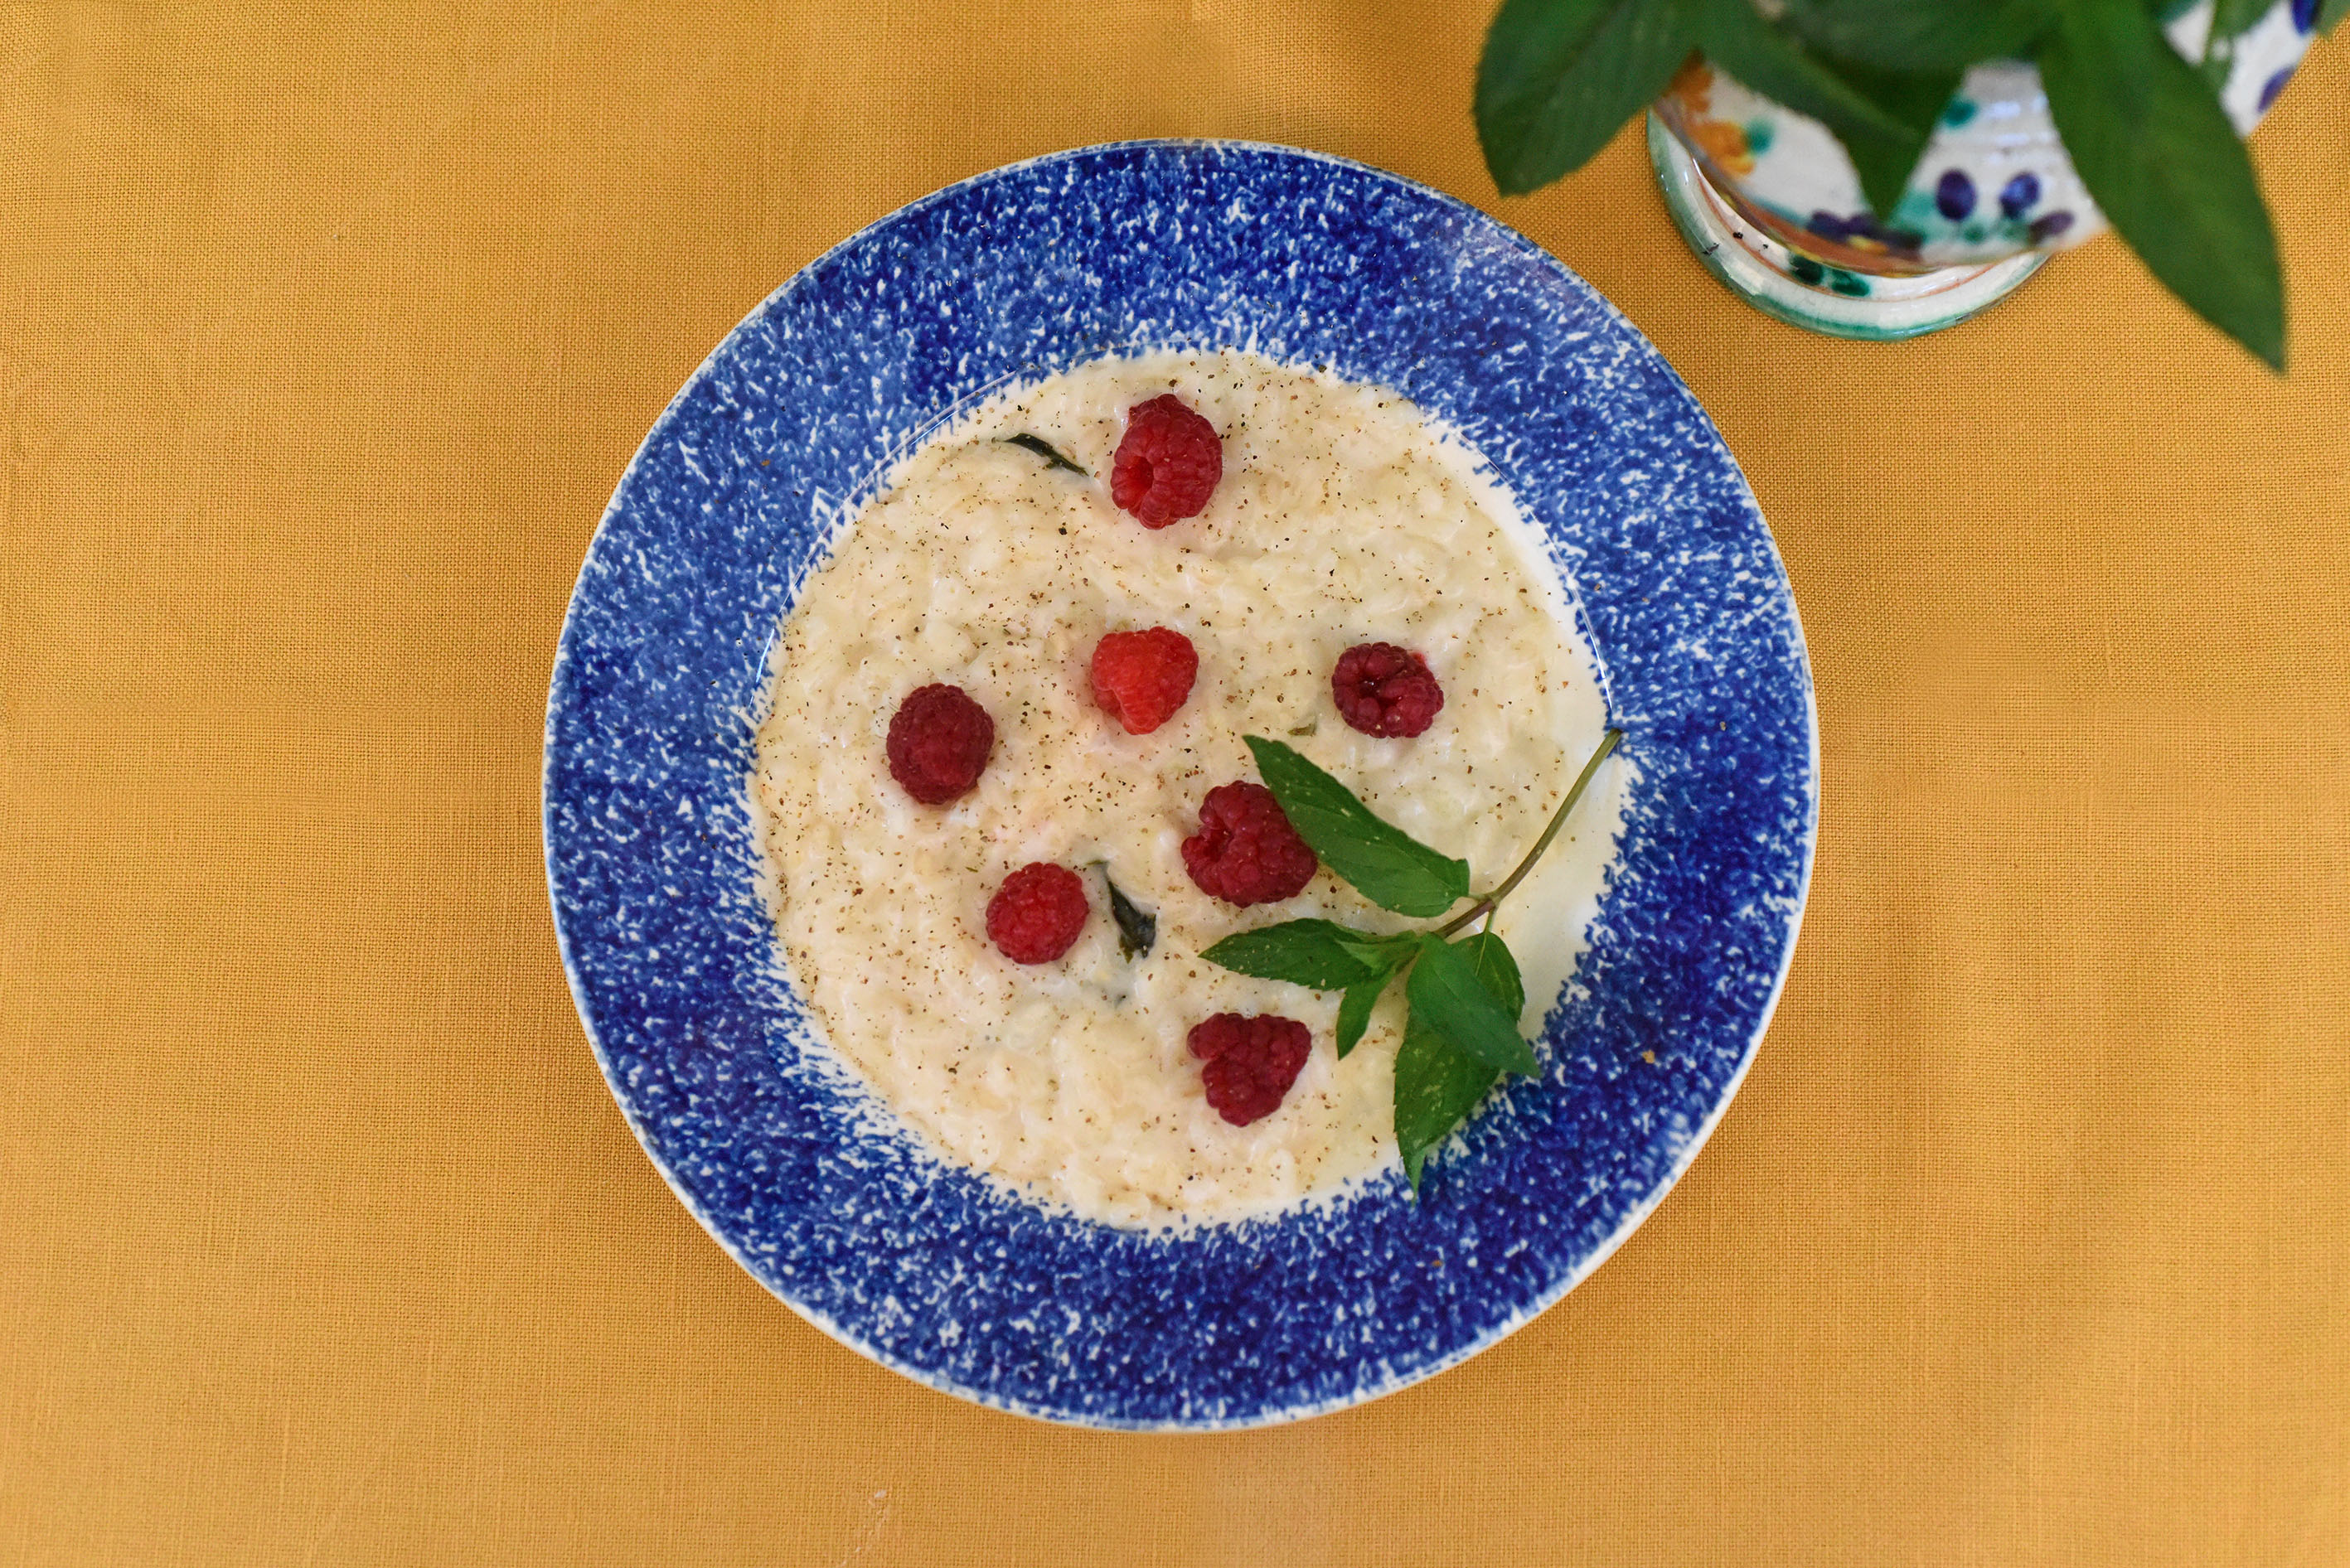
1344	516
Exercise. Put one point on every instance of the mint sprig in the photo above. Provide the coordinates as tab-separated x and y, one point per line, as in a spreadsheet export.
1464	996
2144	130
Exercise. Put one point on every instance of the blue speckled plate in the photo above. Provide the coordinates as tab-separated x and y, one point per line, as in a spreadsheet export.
662	678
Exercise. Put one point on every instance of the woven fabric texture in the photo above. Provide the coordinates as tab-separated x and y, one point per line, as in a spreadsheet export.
324	334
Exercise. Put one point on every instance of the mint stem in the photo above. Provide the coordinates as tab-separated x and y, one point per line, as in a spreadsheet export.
1486	905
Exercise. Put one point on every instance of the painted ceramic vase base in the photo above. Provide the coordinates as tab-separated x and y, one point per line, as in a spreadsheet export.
1805	293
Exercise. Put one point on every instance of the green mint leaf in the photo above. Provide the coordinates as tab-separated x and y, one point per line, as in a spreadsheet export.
1384	955
1496	969
2335	11
1772	61
1317	953
1447	995
1885	162
2231	17
1137	931
1045	449
1911	36
1355	1011
1436	1086
2157	152
1883	117
1384	864
1559	77
2216	68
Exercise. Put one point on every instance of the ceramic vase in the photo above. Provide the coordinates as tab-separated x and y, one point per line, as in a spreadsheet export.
1772	206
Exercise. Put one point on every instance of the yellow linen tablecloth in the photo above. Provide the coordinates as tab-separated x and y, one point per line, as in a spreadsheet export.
323	339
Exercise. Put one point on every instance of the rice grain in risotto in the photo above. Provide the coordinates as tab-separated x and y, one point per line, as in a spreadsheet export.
1344	515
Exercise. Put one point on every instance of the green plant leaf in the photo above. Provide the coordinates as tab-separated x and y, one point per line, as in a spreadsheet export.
1885	162
1883	117
2216	67
1559	77
1773	61
1386	865
1496	969
1355	1011
1137	929
1438	1084
1382	955
2157	152
2231	17
1045	449
1317	953
1447	996
1919	35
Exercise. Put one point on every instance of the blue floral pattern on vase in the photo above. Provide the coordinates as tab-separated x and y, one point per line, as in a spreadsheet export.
1996	134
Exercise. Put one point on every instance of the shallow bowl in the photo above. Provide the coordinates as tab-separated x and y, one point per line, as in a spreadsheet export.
655	869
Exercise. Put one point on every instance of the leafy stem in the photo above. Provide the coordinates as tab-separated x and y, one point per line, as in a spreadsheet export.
1493	900
1463	998
2143	127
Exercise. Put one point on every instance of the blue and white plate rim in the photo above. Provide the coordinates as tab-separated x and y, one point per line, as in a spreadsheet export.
840	1333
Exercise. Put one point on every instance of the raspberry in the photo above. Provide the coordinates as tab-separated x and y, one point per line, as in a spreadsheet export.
1250	1063
939	741
1140	678
1383	690
1245	851
1168	464
1036	916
